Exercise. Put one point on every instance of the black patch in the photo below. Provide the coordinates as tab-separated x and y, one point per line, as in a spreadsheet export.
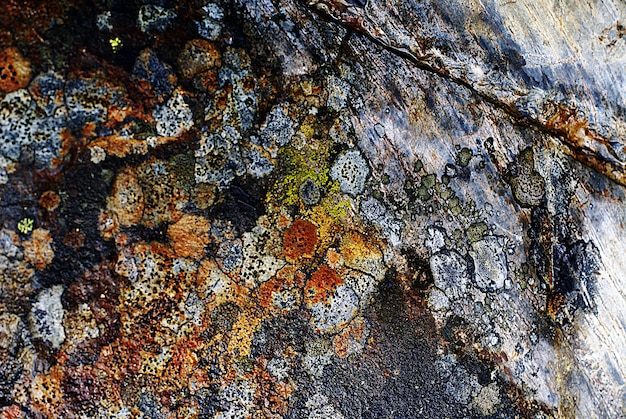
419	274
147	234
241	205
87	190
278	333
396	377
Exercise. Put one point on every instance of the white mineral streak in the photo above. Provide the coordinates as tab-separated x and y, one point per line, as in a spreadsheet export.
46	317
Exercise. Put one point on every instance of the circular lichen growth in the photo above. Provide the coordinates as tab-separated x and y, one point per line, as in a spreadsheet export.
310	193
527	185
464	157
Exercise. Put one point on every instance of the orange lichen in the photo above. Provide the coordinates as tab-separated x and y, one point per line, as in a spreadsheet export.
49	200
14	70
286	285
300	239
121	146
189	236
242	332
46	392
38	250
322	285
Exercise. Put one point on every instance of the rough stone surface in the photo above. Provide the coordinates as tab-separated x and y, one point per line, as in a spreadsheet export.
320	209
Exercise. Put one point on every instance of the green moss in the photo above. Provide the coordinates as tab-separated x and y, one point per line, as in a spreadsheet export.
454	206
429	181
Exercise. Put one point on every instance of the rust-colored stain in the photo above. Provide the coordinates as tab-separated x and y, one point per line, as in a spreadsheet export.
49	200
284	291
321	286
584	143
300	239
14	70
38	250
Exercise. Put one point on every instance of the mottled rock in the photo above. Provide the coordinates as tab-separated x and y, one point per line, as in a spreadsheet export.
46	317
351	171
490	264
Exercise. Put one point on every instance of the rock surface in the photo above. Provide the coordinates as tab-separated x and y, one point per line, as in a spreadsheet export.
323	209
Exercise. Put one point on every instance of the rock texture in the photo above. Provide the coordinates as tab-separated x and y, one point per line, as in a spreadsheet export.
323	209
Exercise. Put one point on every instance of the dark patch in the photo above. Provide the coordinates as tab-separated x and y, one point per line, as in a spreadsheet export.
419	274
222	319
241	205
150	407
546	327
208	401
450	331
396	377
541	234
278	333
158	233
390	303
10	372
80	389
358	3
17	200
574	282
99	288
477	367
87	191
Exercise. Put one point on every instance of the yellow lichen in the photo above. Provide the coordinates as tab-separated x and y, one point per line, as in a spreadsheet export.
25	225
308	164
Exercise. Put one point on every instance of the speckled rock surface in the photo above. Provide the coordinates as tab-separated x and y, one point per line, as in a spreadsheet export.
323	209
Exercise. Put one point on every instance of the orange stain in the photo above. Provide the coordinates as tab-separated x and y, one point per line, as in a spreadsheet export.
300	239
287	279
322	285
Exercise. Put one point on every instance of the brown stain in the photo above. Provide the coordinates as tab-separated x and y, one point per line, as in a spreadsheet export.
189	236
49	200
198	56
583	143
555	303
322	285
75	239
38	250
15	70
300	239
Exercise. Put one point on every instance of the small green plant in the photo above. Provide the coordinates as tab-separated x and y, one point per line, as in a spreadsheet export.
25	225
